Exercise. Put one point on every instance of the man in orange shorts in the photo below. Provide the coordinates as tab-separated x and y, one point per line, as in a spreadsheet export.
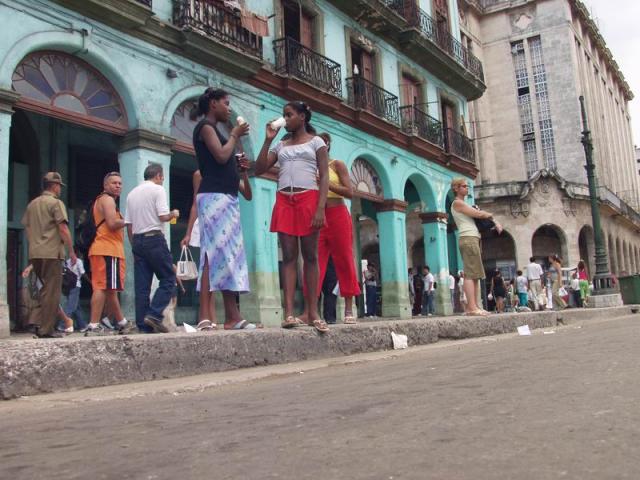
106	255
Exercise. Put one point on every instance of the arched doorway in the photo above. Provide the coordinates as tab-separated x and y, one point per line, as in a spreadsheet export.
368	193
586	247
547	240
70	119
499	253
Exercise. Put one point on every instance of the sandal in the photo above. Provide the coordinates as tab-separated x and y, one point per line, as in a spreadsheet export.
349	320
320	325
241	325
292	322
476	313
206	325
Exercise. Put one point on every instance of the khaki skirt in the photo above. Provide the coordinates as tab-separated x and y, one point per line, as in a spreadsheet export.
471	257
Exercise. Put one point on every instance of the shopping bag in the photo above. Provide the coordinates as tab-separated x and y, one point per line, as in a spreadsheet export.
186	268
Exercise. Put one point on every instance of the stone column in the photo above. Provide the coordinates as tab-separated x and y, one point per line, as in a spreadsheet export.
436	249
392	233
8	98
138	149
263	304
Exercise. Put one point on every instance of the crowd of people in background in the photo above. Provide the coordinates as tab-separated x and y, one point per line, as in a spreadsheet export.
310	217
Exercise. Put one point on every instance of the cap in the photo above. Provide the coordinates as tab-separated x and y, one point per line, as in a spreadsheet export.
53	177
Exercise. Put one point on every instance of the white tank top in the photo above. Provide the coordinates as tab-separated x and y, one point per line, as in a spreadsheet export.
466	224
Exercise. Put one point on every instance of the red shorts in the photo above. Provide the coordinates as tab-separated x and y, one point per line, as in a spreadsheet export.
293	214
107	273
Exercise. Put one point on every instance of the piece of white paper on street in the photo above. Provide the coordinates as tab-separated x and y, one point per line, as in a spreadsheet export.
188	328
524	330
399	341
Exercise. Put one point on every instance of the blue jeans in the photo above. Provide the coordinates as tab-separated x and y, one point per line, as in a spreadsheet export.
427	303
372	300
152	257
72	310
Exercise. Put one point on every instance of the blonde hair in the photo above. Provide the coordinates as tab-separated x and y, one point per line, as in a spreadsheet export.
456	182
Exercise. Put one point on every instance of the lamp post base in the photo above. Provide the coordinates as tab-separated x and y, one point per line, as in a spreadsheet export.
607	300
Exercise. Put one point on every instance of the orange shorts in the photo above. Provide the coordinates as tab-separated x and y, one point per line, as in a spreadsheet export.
107	273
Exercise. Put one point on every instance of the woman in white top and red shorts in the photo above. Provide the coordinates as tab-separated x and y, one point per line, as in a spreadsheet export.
298	215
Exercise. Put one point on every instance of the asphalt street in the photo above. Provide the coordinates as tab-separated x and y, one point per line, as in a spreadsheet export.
561	405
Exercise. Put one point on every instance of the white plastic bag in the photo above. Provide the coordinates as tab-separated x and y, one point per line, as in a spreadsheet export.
399	341
186	268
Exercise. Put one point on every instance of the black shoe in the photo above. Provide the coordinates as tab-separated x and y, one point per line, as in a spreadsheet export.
154	324
50	335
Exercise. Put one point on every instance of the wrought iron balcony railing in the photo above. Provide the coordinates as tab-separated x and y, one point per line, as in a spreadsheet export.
458	144
145	2
366	95
215	20
443	39
417	122
301	62
415	16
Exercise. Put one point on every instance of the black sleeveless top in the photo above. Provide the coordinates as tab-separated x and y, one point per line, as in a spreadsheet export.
216	177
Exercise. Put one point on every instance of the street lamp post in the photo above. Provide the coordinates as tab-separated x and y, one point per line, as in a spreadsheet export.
602	280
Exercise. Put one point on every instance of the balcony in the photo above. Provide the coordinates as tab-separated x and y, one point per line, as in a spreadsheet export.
417	122
455	143
145	2
365	95
445	41
212	19
296	60
404	25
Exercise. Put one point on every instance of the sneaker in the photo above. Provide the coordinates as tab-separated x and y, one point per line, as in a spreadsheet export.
107	323
123	327
93	329
157	326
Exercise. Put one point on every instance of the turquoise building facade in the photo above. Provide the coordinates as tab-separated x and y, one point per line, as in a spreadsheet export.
91	86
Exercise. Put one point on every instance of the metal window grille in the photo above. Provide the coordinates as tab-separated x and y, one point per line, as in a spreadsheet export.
542	100
524	107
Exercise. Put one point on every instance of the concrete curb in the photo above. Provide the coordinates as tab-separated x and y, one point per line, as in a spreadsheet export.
30	367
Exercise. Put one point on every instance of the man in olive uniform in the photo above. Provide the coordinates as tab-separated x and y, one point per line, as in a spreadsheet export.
46	224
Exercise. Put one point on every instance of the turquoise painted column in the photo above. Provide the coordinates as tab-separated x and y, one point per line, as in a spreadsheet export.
7	100
434	225
139	148
392	233
263	304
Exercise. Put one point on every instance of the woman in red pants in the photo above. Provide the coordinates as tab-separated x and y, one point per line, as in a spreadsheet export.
336	237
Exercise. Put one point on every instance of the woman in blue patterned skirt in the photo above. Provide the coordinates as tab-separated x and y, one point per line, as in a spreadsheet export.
223	264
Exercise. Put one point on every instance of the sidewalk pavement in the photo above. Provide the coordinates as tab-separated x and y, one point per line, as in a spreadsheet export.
35	366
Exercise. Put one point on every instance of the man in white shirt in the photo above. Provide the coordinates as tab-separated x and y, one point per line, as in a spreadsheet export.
146	212
452	289
427	296
533	272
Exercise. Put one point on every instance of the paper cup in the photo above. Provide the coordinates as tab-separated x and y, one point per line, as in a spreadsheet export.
279	123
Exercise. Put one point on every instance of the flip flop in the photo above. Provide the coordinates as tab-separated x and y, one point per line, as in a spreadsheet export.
476	313
242	325
205	325
320	325
349	320
292	322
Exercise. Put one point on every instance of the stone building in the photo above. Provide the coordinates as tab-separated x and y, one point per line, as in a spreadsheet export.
92	86
539	56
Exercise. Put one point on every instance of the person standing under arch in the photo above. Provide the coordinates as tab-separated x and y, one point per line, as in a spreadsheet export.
223	262
464	215
299	211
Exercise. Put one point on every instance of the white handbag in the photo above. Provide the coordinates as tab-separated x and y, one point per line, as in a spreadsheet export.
187	268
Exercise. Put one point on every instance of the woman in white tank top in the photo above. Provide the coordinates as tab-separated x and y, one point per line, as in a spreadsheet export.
469	243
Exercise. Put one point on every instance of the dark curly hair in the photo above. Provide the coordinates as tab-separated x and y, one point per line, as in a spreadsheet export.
201	107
